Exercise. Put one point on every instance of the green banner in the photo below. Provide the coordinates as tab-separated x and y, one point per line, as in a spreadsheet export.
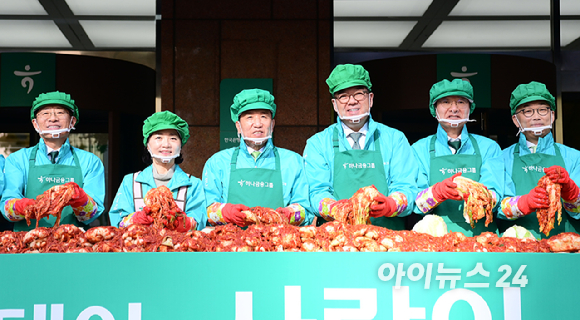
475	68
23	76
289	286
228	90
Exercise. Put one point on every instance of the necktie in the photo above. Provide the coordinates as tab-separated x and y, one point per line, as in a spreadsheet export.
533	149
355	136
255	154
455	145
53	156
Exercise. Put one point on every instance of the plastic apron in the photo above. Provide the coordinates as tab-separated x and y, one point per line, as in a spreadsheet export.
525	174
44	177
354	169
139	200
256	186
451	211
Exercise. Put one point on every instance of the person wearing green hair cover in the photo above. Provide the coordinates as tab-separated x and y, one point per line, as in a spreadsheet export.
255	173
358	152
164	133
53	161
451	152
533	156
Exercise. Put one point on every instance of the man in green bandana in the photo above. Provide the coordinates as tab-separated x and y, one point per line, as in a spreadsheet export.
453	151
53	161
357	152
256	173
535	155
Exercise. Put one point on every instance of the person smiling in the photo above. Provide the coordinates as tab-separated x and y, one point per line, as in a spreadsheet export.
357	152
535	154
256	173
164	134
53	161
452	151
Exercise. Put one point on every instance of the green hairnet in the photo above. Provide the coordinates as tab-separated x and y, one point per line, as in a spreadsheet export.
348	75
446	88
58	98
532	91
252	99
165	120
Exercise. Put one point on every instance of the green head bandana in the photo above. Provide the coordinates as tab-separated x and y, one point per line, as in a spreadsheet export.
446	88
346	76
532	91
252	99
165	120
54	98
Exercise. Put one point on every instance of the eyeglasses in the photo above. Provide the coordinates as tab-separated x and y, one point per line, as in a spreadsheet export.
47	114
358	96
528	113
461	104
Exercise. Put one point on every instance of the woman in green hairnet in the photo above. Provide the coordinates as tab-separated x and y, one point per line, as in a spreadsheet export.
453	151
164	133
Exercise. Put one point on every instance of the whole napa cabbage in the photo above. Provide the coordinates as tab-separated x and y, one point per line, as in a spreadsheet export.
431	224
518	232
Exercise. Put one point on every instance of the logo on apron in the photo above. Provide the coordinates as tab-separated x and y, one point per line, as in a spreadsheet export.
456	170
369	165
61	180
534	168
256	184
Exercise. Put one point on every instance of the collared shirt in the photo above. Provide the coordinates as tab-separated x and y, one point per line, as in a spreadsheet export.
531	146
217	169
250	150
449	139
491	171
400	168
361	141
49	150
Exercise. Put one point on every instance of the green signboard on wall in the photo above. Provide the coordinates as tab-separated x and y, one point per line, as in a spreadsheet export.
228	89
23	76
475	68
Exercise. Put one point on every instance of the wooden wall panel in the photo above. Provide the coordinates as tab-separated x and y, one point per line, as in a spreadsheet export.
205	42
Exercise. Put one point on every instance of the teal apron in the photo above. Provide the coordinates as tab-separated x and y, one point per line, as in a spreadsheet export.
255	186
44	177
451	211
354	169
526	172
